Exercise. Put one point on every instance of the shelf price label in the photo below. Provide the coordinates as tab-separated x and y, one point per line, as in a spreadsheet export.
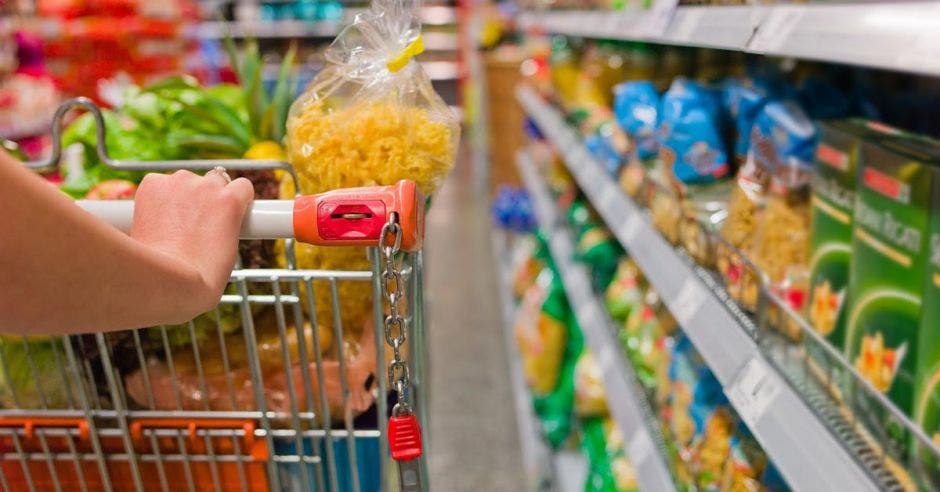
688	301
639	447
630	228
753	391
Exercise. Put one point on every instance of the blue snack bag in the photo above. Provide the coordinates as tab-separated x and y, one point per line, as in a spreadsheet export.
690	134
743	102
783	141
636	106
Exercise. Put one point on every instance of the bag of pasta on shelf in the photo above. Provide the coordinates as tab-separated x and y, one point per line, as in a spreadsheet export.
781	242
636	106
370	117
694	164
745	204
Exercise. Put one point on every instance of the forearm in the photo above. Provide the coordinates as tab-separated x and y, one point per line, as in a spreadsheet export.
64	271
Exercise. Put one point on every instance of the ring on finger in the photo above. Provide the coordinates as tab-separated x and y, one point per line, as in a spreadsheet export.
220	171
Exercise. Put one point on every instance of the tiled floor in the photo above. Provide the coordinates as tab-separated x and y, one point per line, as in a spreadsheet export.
474	441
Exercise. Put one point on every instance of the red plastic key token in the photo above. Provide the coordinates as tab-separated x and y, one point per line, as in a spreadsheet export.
404	437
355	216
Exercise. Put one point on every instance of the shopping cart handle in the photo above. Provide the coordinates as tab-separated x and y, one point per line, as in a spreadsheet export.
347	217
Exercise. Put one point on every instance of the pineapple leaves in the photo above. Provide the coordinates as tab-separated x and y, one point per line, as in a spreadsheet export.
267	117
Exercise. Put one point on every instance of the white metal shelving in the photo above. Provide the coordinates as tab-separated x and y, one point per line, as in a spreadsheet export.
430	16
624	399
902	36
808	455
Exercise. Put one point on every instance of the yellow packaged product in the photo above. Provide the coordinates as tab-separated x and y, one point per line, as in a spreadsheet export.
370	117
781	243
590	399
541	333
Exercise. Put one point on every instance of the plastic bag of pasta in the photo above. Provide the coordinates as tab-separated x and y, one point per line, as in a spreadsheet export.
781	241
370	117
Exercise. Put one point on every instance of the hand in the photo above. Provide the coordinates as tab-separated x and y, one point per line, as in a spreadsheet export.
196	220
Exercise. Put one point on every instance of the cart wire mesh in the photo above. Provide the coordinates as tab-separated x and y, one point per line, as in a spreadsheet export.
258	394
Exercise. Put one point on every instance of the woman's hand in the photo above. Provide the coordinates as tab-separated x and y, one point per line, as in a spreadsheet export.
63	270
195	219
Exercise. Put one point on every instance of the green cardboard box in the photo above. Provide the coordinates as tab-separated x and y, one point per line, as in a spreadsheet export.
927	392
887	275
833	204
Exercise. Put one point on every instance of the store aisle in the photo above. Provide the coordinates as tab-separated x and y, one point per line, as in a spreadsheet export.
474	440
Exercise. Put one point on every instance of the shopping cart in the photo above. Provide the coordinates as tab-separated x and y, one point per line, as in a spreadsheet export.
246	397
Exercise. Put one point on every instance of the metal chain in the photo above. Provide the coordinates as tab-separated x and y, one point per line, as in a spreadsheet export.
399	375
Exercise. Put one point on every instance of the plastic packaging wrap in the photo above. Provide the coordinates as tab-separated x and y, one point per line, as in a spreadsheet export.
636	105
608	468
693	161
746	203
598	249
370	117
781	244
590	398
625	291
541	332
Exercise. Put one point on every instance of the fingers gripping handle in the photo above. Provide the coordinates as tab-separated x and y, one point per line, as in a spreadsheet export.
266	219
348	217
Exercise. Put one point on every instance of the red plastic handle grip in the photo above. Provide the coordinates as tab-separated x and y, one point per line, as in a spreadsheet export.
355	216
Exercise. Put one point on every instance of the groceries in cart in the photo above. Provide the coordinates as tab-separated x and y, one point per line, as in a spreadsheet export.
308	341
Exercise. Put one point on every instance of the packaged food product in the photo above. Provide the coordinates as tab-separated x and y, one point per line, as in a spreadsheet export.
646	339
747	200
512	209
636	106
564	69
556	409
890	258
700	418
927	384
781	243
370	117
833	209
529	259
590	399
581	217
692	149
743	101
608	468
541	332
746	462
625	477
640	62
600	251
625	291
693	159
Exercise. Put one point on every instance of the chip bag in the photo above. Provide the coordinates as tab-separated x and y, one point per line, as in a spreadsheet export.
370	117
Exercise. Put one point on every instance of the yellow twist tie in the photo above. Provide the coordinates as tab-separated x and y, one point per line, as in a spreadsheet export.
413	49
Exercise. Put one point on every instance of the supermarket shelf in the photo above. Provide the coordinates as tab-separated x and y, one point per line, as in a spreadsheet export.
807	453
430	16
287	29
536	455
902	36
433	41
623	397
